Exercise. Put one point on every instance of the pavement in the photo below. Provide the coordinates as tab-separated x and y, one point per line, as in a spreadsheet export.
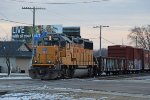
130	88
14	75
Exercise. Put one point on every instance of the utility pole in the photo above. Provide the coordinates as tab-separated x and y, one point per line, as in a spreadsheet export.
33	9
100	38
136	42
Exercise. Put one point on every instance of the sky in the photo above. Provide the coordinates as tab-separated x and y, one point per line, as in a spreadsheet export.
120	15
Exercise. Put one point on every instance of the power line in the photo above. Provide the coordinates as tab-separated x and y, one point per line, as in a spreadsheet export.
108	41
14	21
7	19
93	38
61	3
104	39
3	15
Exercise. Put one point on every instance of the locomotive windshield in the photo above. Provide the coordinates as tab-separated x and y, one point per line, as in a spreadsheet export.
54	39
51	41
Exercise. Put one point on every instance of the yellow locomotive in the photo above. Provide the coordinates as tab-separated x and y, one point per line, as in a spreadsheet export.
57	55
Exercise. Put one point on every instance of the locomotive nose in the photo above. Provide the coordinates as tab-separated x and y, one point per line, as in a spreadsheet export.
45	55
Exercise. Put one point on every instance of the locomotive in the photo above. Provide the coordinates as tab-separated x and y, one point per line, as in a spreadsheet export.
58	55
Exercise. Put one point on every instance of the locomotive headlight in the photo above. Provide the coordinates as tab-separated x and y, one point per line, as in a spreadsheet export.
49	62
35	61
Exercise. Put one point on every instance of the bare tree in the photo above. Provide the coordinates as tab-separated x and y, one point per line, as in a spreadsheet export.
103	52
7	57
140	36
7	52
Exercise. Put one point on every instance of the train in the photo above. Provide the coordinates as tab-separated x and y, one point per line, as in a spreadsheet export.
57	56
124	60
61	56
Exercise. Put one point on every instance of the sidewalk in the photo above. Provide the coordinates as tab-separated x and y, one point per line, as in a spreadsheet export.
14	75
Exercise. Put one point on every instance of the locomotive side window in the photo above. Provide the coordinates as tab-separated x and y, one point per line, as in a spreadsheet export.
88	45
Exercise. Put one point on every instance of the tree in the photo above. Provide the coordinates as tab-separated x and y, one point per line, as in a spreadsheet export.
140	36
103	52
7	51
7	57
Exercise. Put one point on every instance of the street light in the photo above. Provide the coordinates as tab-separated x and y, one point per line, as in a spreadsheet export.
100	27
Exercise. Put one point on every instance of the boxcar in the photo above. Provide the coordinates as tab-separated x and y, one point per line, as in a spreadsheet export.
146	60
133	56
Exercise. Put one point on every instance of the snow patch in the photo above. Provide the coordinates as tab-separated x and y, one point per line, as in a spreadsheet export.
86	98
42	96
63	88
17	77
34	96
103	98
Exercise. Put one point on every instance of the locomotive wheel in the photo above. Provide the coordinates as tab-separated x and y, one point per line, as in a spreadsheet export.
90	72
67	72
96	71
71	72
33	73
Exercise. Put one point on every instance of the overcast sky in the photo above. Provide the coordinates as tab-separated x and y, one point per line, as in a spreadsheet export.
120	15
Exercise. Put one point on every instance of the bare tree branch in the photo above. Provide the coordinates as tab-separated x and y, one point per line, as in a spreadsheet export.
140	36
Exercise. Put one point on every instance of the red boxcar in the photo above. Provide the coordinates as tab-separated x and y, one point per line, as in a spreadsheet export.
133	55
138	58
146	60
121	51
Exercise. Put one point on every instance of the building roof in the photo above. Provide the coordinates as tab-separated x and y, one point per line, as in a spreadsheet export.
14	49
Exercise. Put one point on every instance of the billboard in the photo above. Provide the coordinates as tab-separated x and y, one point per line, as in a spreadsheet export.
24	33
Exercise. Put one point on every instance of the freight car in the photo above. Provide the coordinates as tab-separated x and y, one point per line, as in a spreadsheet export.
125	59
57	55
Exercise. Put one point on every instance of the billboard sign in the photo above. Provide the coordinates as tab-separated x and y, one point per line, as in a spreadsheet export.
24	33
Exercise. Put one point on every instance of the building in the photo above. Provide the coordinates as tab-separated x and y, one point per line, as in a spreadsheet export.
19	54
72	31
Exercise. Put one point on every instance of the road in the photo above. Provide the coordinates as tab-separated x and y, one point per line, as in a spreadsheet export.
134	88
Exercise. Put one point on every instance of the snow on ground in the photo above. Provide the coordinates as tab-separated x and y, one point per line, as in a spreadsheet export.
43	96
102	92
14	74
34	96
16	77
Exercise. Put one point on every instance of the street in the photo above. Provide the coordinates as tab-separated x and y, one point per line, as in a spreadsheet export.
133	88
